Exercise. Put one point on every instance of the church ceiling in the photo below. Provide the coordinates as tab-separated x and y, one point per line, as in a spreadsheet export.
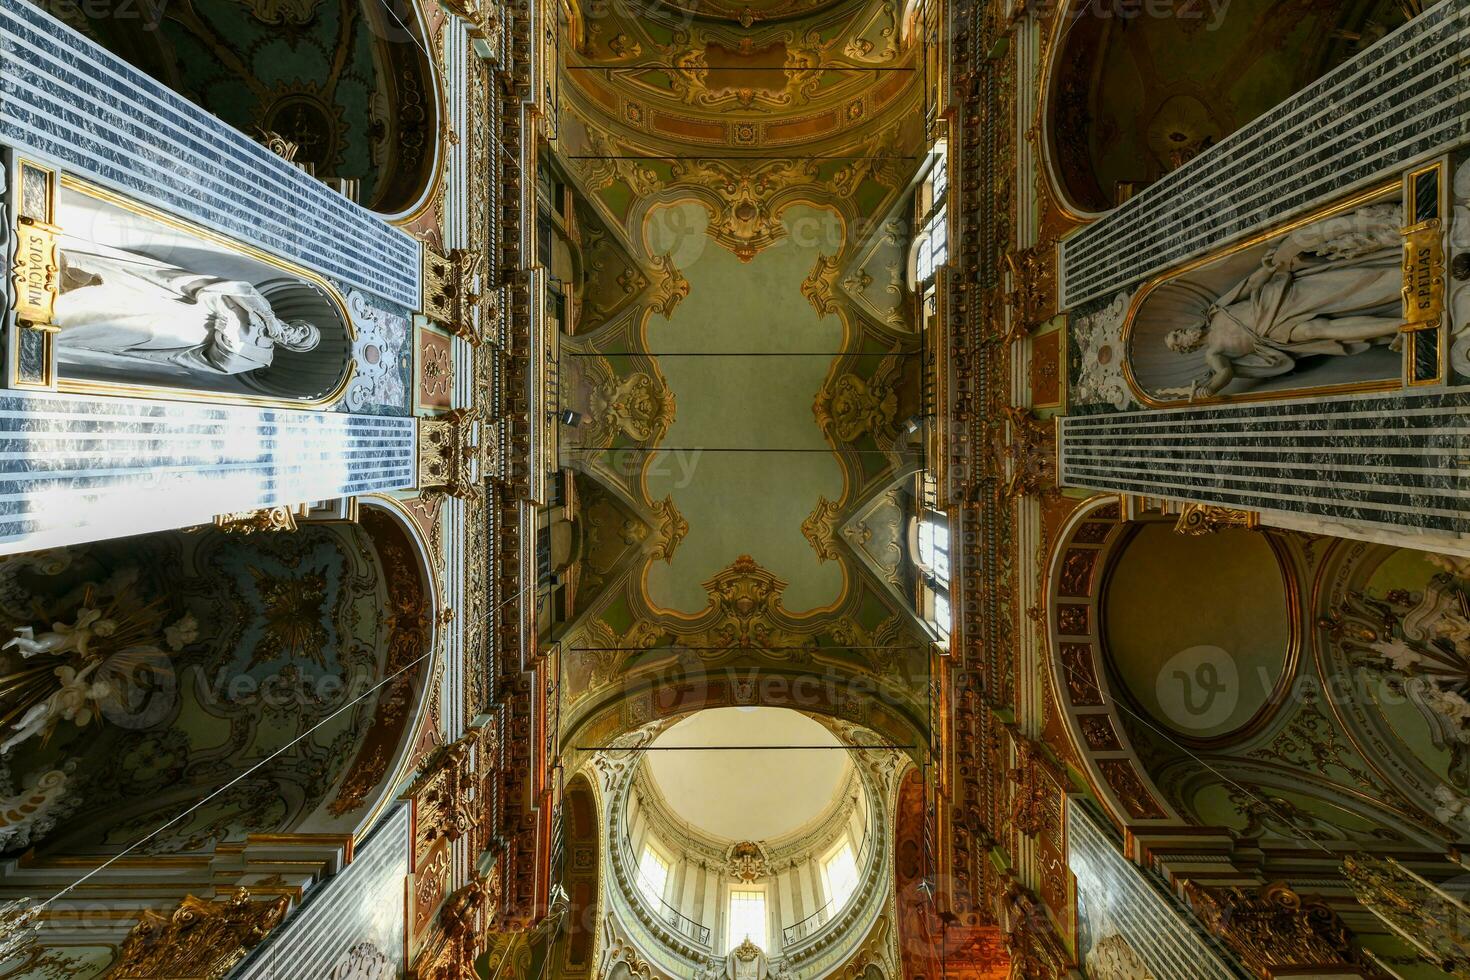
745	355
833	71
194	655
1364	741
1133	99
340	80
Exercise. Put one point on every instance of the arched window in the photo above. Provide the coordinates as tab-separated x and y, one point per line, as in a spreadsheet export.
930	543
931	218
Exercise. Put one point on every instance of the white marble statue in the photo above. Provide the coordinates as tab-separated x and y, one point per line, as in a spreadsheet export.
134	307
77	699
1314	293
63	637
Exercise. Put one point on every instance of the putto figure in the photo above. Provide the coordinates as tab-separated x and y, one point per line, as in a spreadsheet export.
1318	291
129	306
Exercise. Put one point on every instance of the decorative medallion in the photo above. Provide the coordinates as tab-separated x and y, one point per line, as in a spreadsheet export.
851	408
301	113
637	406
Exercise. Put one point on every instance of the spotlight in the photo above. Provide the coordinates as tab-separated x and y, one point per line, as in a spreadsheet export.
570	418
913	423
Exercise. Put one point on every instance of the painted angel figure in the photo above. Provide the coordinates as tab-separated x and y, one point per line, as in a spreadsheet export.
1336	295
113	302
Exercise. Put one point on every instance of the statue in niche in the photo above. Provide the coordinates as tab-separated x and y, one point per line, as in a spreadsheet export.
1317	291
113	302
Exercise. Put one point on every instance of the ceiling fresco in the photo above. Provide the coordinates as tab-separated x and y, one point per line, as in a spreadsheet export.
157	666
1135	98
1364	742
744	356
337	80
829	69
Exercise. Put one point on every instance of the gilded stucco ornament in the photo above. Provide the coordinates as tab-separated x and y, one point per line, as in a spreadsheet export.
850	408
746	220
820	286
820	529
637	406
1274	926
600	655
1196	519
201	940
282	12
1418	643
746	612
670	530
669	285
451	458
1026	447
803	64
606	161
1427	916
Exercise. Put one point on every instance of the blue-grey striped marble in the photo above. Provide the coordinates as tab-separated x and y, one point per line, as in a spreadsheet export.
1404	99
1115	897
66	99
78	468
1396	459
350	926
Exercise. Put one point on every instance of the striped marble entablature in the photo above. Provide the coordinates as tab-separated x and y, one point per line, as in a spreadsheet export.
355	927
70	102
78	468
1397	461
1117	898
1398	102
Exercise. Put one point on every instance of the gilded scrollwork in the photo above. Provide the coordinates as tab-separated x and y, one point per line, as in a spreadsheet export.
669	285
670	531
201	938
820	286
1196	519
820	529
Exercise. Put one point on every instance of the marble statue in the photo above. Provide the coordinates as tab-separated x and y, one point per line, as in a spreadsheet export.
63	637
1314	293
113	302
77	698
